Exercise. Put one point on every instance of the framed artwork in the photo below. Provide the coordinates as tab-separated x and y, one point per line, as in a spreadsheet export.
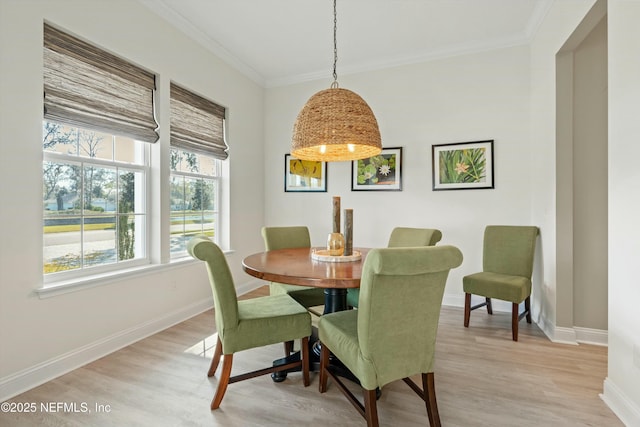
378	173
463	165
304	175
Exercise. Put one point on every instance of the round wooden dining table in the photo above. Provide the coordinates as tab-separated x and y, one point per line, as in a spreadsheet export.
297	267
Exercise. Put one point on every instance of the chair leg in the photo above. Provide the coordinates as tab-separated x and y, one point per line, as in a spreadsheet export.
324	363
288	348
467	309
428	385
223	382
489	306
304	353
370	408
216	359
527	307
515	317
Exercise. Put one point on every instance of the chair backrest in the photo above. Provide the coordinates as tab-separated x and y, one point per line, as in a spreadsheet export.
286	237
406	237
401	294
225	298
509	249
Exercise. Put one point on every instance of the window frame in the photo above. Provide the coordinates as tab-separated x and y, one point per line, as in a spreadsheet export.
89	272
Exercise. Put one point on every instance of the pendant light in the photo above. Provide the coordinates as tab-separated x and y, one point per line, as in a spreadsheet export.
335	124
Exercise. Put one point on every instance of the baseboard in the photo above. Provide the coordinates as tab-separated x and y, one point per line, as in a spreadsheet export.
453	300
46	371
549	329
39	374
557	334
562	335
458	301
249	286
578	335
34	376
592	336
620	404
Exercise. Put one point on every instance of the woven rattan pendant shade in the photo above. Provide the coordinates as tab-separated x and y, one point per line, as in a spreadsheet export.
335	125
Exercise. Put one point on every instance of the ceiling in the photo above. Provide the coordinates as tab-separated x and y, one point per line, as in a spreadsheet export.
279	42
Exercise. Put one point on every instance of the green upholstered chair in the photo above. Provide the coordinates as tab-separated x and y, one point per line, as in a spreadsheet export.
251	323
392	335
507	266
403	237
285	238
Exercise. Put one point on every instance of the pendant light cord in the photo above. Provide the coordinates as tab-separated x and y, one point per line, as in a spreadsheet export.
335	125
334	85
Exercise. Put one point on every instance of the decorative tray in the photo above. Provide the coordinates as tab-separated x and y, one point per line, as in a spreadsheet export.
323	255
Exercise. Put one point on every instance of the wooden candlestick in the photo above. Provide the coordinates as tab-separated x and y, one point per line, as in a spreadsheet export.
336	214
348	231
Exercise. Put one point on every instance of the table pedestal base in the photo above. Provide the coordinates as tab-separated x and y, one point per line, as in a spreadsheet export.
314	363
335	299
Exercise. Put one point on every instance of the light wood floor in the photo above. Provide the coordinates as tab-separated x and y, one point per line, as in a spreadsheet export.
482	379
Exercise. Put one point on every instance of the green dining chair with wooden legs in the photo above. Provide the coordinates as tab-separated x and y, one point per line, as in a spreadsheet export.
286	238
507	265
247	324
402	237
392	334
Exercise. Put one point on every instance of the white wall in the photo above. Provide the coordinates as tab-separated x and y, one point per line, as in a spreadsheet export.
469	98
622	387
41	338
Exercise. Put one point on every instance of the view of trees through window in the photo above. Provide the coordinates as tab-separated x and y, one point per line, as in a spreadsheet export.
194	192
93	198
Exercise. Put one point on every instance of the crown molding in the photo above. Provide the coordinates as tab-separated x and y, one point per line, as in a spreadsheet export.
160	8
181	23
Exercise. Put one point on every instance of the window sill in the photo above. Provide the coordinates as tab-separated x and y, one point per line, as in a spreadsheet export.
62	287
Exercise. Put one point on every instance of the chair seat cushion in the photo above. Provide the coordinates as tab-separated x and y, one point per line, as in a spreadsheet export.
267	320
339	332
307	296
500	286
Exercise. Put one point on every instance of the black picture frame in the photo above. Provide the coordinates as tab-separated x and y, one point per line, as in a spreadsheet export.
378	173
463	166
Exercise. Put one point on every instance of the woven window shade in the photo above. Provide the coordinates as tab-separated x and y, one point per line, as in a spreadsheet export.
87	87
197	124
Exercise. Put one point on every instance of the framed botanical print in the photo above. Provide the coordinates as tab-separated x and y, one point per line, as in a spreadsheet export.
463	165
378	173
304	175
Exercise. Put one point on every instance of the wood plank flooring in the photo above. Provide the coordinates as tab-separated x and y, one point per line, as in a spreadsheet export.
482	378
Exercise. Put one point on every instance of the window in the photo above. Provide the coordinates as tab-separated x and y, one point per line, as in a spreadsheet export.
197	150
99	124
98	119
93	199
194	198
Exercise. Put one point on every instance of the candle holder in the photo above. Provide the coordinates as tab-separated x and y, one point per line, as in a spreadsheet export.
335	244
348	232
